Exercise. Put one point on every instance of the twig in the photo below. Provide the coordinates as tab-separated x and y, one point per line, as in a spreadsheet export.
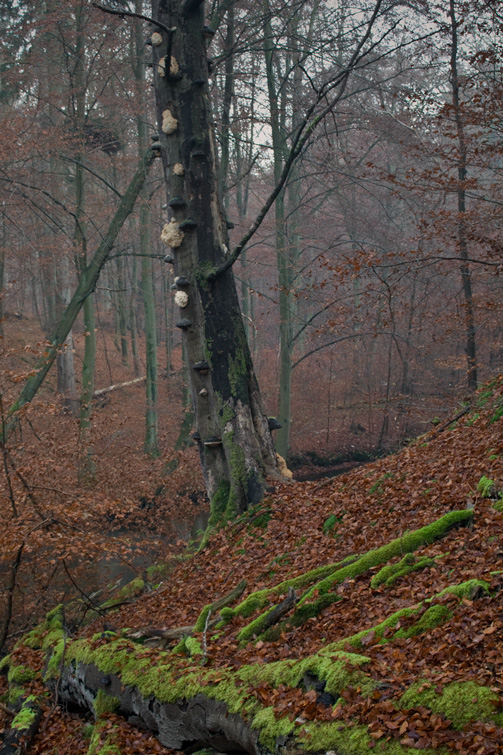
123	13
7	711
205	647
10	594
89	600
448	422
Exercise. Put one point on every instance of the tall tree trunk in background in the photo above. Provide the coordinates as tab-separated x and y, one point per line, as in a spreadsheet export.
147	284
122	311
235	444
133	320
65	361
2	275
280	152
466	278
86	464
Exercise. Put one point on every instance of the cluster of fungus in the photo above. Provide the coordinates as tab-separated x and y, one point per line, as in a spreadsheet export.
173	67
169	122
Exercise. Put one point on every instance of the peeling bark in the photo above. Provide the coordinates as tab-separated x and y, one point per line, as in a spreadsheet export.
195	723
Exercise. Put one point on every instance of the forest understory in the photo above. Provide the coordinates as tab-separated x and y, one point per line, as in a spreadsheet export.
389	578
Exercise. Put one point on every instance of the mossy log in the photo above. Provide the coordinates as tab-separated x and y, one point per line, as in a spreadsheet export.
23	728
195	723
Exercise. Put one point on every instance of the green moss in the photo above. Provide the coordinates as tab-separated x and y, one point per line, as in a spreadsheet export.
35	638
345	739
108	747
26	715
5	662
310	610
132	589
259	599
331	523
219	504
193	646
20	674
271	727
470	589
56	658
227	413
14	694
202	272
392	572
460	702
55	618
431	618
408	543
104	704
498	413
158	571
498	505
201	619
485	486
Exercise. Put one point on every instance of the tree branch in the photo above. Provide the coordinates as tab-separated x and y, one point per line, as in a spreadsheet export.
123	13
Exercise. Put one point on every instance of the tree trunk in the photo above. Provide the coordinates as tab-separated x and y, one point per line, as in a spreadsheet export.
147	283
65	361
235	443
466	278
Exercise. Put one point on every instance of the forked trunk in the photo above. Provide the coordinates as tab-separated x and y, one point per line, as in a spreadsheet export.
232	430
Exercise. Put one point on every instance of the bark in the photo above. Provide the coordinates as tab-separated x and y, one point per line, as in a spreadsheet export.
466	278
17	741
147	284
225	393
192	724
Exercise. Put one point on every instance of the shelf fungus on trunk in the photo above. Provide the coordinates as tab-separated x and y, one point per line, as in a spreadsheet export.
169	122
183	324
201	367
181	299
172	235
216	345
188	224
181	281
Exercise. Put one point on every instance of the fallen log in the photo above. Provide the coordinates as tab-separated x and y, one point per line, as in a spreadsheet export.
165	636
101	391
23	728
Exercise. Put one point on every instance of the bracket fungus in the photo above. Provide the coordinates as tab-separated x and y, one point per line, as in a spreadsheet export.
202	367
171	234
156	39
178	169
181	281
173	67
169	122
208	32
213	442
168	258
177	202
199	154
183	324
203	392
188	224
273	423
181	299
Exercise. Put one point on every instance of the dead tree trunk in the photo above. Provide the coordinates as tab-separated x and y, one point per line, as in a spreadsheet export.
235	444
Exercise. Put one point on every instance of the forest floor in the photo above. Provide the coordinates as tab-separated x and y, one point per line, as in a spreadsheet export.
431	678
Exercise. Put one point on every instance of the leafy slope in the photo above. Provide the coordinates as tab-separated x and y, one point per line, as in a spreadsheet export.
431	677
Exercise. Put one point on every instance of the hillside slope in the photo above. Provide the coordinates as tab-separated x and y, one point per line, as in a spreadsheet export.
372	617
